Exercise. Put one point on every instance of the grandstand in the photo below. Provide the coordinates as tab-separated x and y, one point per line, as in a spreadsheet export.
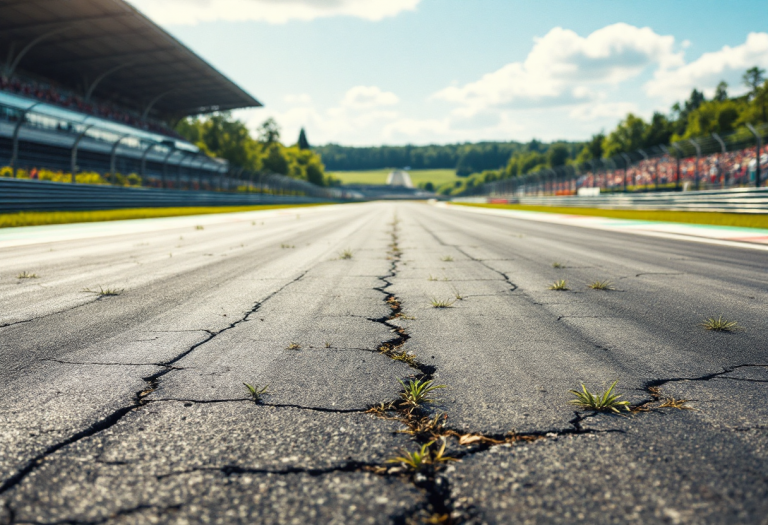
95	86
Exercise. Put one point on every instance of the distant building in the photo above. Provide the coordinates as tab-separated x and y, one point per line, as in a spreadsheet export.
303	142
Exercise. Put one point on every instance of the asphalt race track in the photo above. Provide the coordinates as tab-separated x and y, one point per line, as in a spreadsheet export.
131	408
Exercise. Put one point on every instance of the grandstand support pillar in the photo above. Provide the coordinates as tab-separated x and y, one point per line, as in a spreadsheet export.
144	159
11	65
16	130
164	181
717	161
74	150
757	157
113	157
696	166
95	83
627	161
677	169
152	102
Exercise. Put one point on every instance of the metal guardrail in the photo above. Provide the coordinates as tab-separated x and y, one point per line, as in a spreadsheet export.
740	200
33	195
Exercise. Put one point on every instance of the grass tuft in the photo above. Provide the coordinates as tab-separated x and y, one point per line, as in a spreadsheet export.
346	254
27	275
426	455
560	285
446	258
558	265
417	391
255	392
293	346
601	285
105	291
199	227
441	303
720	324
605	402
287	246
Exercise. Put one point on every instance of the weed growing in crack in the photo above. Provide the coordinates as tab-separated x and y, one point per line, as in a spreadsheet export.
720	324
256	393
441	303
105	292
560	285
426	455
446	258
287	246
327	344
27	275
457	295
601	285
431	278
557	265
346	254
417	391
198	227
405	357
293	346
671	402
605	402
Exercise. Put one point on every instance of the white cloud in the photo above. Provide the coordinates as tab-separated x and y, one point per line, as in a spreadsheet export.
705	72
301	99
368	97
603	110
562	65
361	113
189	12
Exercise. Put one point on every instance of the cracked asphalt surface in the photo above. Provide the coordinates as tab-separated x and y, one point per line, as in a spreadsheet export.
132	409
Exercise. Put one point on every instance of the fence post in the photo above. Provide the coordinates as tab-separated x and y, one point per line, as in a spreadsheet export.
677	171
722	150
74	151
16	130
696	166
757	157
627	160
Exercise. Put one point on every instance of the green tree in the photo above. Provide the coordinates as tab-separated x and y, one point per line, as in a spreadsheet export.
557	155
753	78
269	132
721	92
628	136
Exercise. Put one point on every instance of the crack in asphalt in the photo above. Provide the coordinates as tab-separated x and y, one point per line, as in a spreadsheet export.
57	312
139	398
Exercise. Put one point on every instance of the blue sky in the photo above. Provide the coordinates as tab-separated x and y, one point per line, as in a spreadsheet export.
369	72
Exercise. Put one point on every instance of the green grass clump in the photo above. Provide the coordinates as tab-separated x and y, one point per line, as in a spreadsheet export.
605	402
417	391
26	275
441	303
424	456
720	324
601	285
287	246
39	218
558	265
446	258
256	392
743	220
346	254
105	292
560	285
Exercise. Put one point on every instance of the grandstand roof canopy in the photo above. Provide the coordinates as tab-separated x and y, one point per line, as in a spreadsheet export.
75	42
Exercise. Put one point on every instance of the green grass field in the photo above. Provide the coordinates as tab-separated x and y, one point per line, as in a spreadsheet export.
436	177
39	218
743	220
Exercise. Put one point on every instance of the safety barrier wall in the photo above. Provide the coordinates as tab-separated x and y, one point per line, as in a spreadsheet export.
32	195
741	200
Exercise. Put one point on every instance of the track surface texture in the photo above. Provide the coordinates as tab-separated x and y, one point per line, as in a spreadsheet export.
131	408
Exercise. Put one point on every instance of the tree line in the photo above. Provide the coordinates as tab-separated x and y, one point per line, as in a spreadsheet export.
220	135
